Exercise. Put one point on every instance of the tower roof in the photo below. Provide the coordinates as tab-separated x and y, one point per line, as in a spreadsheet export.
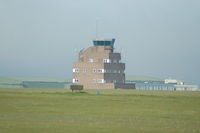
104	42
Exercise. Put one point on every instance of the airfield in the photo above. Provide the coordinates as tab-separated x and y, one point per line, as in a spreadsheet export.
128	111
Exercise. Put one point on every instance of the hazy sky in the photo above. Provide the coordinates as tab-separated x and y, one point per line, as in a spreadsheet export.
159	38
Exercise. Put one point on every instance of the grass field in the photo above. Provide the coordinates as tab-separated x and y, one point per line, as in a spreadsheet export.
114	111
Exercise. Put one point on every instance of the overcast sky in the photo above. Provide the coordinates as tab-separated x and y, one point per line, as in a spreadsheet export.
159	38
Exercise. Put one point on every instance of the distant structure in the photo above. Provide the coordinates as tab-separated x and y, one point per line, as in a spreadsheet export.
43	84
99	67
174	81
186	87
167	84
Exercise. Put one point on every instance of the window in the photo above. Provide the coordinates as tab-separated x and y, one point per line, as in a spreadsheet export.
76	70
115	61
94	81
108	81
100	81
103	70
84	70
91	60
94	70
106	60
75	81
108	71
98	70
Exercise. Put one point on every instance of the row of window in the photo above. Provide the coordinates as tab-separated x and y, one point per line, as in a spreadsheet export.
104	60
94	81
114	71
98	70
75	80
98	81
76	70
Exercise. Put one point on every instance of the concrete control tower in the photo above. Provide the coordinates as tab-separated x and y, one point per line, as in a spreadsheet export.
99	67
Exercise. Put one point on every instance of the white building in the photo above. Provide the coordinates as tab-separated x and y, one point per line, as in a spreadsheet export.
174	81
186	87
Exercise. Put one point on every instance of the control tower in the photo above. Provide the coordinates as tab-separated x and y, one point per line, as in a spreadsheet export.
99	67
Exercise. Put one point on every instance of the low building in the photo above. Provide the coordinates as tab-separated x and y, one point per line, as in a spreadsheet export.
173	81
186	87
43	84
99	67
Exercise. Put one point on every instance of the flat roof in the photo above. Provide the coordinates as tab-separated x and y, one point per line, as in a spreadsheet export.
104	39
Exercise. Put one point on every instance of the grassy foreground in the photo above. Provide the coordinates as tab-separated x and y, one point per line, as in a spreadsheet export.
114	111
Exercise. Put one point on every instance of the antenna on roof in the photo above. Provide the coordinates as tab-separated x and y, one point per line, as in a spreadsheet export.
97	27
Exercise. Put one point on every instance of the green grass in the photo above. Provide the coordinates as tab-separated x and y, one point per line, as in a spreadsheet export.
114	111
